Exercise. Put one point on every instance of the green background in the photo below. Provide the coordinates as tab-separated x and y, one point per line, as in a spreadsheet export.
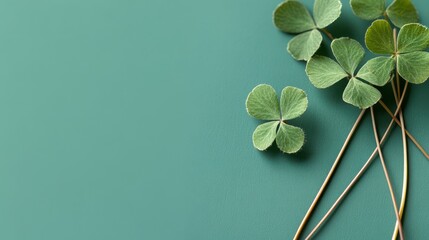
125	119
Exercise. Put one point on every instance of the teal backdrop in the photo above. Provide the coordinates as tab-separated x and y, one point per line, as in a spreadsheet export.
125	119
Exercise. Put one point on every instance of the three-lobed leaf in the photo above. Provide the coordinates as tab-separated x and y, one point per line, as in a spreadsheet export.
293	17
324	72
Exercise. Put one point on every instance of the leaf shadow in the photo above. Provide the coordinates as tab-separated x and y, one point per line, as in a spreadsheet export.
333	94
345	25
325	48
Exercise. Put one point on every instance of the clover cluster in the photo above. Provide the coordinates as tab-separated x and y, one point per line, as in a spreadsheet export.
403	52
399	43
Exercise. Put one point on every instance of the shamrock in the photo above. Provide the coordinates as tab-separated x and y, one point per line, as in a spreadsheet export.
400	12
411	61
293	17
324	72
263	104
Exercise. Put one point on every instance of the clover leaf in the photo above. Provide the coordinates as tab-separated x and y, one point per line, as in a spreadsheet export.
400	12
292	16
263	104
368	9
324	72
411	61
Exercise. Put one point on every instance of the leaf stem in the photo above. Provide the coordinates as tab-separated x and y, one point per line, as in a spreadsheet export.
386	174
410	136
361	171
405	177
329	176
405	147
395	94
328	34
395	43
385	16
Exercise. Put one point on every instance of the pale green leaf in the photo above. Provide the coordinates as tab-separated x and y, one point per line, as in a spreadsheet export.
324	72
379	38
264	135
368	9
414	66
401	12
289	139
262	103
377	71
360	94
303	46
413	37
326	12
293	17
293	103
348	53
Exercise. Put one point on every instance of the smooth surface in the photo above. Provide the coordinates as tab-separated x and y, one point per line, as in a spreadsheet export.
126	120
